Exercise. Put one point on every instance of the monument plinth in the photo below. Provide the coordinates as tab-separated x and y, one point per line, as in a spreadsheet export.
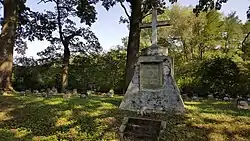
153	86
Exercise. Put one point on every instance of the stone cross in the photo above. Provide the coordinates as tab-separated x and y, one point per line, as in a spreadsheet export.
154	25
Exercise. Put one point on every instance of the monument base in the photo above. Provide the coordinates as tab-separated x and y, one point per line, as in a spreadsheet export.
153	89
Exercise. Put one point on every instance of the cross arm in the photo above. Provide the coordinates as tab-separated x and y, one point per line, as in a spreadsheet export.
159	24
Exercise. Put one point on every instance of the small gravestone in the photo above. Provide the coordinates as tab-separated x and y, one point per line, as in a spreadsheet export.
83	96
27	92
248	99
44	94
141	129
89	92
35	91
226	98
1	92
67	95
74	91
54	90
242	104
195	98
110	93
23	93
210	97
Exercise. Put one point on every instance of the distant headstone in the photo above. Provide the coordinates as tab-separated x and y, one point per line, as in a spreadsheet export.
27	92
226	98
23	93
44	94
242	104
74	91
67	95
195	98
83	96
248	99
35	91
1	92
89	92
210	97
54	90
110	93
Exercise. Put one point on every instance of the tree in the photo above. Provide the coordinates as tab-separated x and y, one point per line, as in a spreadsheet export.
69	35
232	32
12	9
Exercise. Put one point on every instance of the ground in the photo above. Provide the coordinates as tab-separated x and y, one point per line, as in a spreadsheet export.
98	118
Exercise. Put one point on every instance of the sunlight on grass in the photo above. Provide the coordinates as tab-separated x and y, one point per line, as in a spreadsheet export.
54	101
98	118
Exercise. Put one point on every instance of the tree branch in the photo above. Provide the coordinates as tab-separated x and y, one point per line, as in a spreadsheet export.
77	33
243	42
125	10
146	15
59	22
45	1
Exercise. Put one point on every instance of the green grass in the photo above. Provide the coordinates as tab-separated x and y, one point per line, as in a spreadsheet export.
98	118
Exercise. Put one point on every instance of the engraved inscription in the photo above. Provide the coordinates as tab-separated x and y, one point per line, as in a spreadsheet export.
151	76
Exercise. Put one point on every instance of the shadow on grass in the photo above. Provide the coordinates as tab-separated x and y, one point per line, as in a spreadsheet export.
67	119
98	118
216	107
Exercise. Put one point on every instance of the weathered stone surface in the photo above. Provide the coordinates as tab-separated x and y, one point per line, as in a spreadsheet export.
141	129
153	87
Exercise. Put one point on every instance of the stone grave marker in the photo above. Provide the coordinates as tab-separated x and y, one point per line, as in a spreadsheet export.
27	92
226	98
54	90
74	91
110	93
89	92
23	93
210	97
141	129
153	84
35	91
242	103
152	90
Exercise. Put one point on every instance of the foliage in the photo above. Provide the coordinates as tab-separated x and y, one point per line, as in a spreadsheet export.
220	76
87	71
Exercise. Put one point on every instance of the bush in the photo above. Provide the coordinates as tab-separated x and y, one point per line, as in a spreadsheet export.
219	76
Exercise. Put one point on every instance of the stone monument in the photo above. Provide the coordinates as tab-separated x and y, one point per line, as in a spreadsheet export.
153	86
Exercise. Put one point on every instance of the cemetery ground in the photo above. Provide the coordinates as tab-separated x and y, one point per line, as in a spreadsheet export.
98	118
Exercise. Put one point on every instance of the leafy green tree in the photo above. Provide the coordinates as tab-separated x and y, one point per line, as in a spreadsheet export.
69	35
232	32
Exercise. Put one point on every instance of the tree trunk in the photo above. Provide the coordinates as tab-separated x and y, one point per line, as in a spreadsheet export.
7	41
133	41
65	69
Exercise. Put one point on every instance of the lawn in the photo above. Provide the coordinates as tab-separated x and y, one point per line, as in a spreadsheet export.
98	118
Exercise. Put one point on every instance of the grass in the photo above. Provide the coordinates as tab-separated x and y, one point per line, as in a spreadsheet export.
25	118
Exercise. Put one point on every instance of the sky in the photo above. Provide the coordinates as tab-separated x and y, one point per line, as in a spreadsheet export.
108	29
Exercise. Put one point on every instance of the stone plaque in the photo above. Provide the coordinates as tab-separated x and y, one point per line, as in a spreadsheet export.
151	75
